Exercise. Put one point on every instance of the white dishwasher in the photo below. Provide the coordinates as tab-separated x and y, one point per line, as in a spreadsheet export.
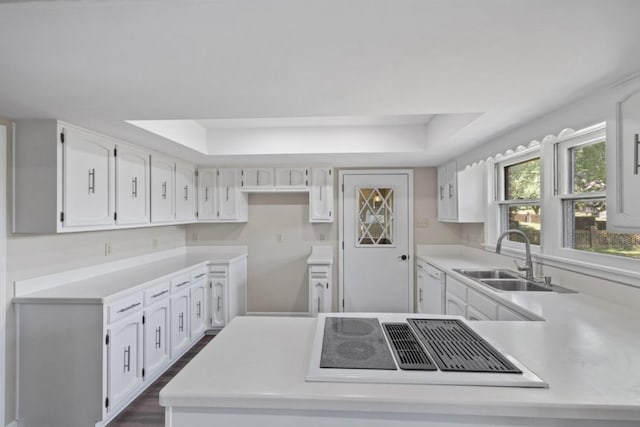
432	293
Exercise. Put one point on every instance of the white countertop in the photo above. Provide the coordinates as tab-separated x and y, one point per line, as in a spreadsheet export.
102	288
321	254
585	349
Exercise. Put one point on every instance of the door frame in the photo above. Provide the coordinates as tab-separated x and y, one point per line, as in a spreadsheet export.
6	132
410	227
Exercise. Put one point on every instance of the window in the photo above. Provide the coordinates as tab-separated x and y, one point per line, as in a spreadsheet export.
581	174
375	217
520	197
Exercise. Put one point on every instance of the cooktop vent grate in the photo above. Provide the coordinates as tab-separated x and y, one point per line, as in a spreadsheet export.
455	347
409	353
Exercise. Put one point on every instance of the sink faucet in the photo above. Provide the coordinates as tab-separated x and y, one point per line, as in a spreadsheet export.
528	267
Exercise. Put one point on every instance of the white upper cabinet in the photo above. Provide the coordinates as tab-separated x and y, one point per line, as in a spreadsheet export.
219	196
292	178
132	186
623	166
88	179
185	192
461	194
321	195
257	178
162	189
64	178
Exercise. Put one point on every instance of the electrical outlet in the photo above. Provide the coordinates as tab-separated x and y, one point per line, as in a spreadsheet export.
107	249
322	236
279	238
194	237
154	243
422	222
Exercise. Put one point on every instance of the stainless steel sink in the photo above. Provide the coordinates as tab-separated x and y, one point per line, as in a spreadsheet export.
487	274
515	285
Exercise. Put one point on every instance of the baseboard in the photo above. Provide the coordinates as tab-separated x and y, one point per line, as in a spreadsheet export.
13	423
279	313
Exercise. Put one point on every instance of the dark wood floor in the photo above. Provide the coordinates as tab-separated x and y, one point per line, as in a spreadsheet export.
145	411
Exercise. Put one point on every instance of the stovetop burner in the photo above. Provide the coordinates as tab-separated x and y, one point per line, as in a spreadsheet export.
355	343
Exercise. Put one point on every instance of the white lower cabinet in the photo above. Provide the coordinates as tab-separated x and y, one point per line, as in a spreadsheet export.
455	306
319	289
218	286
180	336
473	314
507	314
198	308
156	338
124	362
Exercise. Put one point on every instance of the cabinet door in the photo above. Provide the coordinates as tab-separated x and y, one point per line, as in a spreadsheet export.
257	178
623	172
443	203
420	278
162	190
88	179
321	195
452	191
455	306
218	290
132	186
227	193
292	177
156	337
179	323
506	314
473	314
198	308
124	363
207	206
185	192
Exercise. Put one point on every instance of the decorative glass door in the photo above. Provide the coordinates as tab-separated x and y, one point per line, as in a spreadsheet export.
375	217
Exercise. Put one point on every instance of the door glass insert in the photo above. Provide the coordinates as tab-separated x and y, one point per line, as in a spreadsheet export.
375	217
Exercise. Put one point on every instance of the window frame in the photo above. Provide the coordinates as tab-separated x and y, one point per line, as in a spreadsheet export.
496	211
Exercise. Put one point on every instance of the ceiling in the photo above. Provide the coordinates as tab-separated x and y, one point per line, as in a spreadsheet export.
425	79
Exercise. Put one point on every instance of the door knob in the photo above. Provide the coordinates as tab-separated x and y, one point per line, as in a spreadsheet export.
403	257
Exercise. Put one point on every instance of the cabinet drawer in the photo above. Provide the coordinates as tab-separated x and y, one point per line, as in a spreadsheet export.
484	305
124	307
157	292
456	288
180	282
198	273
319	271
218	271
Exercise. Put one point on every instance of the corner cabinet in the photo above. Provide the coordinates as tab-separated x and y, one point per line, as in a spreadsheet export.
219	196
623	165
64	178
461	194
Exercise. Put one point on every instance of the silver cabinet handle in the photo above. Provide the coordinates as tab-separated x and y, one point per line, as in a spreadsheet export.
182	283
219	302
635	156
227	193
134	187
186	192
318	304
258	176
164	190
181	322
420	299
127	359
290	178
198	309
158	337
206	194
122	310
159	293
200	275
441	192
450	190
92	181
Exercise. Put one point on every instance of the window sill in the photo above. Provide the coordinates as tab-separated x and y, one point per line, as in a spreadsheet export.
623	276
